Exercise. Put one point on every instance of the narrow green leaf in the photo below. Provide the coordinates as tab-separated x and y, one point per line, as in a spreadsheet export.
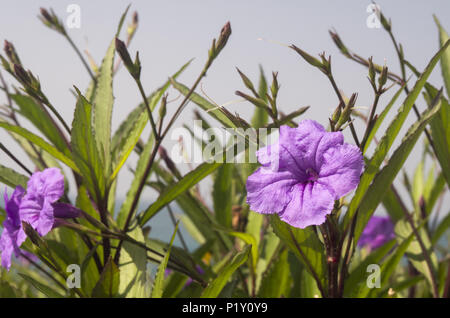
276	282
184	184
46	290
223	194
157	291
133	268
215	287
84	148
445	61
38	141
12	178
41	120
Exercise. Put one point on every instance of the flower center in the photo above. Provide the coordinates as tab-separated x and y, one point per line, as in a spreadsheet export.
312	174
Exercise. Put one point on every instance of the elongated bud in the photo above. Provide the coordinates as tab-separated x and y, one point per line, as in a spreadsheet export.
371	71
223	38
346	112
32	234
163	107
247	82
11	53
275	86
387	25
131	30
22	76
383	77
6	65
133	68
337	113
51	20
258	102
337	40
310	59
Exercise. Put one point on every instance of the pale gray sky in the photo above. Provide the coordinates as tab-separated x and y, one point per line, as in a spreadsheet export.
173	31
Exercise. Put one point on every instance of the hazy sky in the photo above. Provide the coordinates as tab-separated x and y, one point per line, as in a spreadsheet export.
171	32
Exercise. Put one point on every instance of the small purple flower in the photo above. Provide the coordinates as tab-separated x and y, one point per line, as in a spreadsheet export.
12	235
303	174
378	231
37	206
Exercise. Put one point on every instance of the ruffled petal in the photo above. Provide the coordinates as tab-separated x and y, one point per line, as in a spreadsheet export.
53	184
268	191
341	169
310	204
46	219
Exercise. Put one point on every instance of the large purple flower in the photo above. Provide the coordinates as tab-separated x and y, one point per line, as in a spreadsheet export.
378	231
37	206
303	174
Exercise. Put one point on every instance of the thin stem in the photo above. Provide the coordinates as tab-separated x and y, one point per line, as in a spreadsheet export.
2	147
81	57
341	100
370	120
150	115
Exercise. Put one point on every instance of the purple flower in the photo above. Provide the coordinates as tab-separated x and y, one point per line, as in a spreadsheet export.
303	174
12	235
377	232
37	206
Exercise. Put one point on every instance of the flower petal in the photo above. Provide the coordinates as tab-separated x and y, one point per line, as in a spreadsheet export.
48	183
341	169
310	204
46	219
268	191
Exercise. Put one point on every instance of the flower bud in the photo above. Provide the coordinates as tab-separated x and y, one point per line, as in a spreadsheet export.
11	53
223	38
385	23
371	71
337	40
310	59
52	21
346	112
383	77
133	68
247	82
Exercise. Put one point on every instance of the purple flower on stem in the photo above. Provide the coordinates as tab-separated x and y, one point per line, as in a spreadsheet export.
303	174
37	206
13	235
378	231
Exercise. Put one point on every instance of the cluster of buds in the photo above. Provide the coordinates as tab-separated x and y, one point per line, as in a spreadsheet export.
324	66
133	67
258	100
52	21
382	79
30	83
342	114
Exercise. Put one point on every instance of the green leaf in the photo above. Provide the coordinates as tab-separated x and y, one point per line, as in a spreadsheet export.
386	176
38	141
443	226
133	268
108	284
46	290
175	190
305	244
440	131
84	149
102	102
277	280
204	104
12	178
445	61
381	117
260	116
215	287
390	265
414	252
157	291
223	194
41	120
372	167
